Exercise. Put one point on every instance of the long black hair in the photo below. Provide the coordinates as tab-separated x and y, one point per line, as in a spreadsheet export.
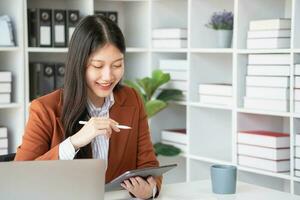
91	33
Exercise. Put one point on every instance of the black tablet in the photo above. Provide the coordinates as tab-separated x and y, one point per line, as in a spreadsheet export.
145	172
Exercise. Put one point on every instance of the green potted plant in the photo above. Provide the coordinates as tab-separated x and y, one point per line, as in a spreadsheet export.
222	22
155	100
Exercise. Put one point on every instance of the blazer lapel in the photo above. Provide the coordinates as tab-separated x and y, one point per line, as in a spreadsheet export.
118	142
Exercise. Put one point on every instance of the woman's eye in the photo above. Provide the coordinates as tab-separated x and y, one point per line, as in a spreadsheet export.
97	66
117	66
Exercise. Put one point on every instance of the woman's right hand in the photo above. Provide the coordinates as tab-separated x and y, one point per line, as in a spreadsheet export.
94	127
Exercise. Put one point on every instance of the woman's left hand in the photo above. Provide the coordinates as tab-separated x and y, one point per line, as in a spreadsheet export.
139	187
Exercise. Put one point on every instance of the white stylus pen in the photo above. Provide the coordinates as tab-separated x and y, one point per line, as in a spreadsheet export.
119	126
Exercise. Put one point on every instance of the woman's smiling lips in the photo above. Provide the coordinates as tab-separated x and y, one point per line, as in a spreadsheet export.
104	86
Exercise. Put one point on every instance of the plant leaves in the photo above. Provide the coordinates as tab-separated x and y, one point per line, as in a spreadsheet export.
169	94
146	84
137	88
166	149
159	78
154	106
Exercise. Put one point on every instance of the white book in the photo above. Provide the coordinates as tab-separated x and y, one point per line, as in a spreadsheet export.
297	163
182	147
297	173
266	104
267	81
174	135
216	89
297	139
3	132
3	151
180	85
264	164
297	152
177	75
268	70
270	24
5	87
169	43
297	69
5	98
163	33
5	76
268	43
269	33
178	65
3	143
216	100
297	82
267	93
263	152
297	106
264	138
269	59
297	94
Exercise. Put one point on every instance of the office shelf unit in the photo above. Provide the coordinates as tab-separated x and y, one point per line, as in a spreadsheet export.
211	130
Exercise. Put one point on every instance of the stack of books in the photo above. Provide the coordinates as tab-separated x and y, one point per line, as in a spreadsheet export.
216	93
178	73
3	141
267	82
5	87
265	150
297	88
269	34
297	155
169	38
175	137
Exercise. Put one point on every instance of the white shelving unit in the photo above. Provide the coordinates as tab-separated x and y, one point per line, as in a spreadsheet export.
212	130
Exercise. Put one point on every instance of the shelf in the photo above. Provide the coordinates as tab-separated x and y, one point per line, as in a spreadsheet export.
296	50
169	50
209	160
136	50
9	48
296	115
285	176
258	51
264	112
211	50
181	103
47	50
196	104
11	105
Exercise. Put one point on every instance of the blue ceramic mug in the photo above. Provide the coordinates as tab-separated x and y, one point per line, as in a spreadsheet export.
223	178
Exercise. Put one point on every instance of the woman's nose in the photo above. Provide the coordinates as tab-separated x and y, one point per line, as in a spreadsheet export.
106	73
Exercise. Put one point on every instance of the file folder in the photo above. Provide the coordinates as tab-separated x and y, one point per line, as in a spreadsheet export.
72	20
45	28
59	28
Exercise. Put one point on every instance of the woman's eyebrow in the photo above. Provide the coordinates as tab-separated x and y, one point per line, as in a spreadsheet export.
97	60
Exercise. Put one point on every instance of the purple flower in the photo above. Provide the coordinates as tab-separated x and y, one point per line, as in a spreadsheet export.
221	20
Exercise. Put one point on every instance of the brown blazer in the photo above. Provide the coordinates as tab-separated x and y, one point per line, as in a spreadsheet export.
129	149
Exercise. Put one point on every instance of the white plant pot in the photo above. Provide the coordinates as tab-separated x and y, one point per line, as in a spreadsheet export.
224	38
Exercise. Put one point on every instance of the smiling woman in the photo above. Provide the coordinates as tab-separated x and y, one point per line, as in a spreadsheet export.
92	92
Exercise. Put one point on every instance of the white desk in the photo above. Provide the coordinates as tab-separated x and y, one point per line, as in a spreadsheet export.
201	190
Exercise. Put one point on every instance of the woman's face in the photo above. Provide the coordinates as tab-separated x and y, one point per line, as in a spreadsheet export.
104	70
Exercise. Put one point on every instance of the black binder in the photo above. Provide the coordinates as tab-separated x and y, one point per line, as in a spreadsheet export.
45	28
113	16
59	75
41	79
72	20
32	18
59	28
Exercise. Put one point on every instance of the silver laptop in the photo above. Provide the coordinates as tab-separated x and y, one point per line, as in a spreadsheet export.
49	180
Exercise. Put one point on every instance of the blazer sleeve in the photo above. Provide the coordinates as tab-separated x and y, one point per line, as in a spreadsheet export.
37	136
146	155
